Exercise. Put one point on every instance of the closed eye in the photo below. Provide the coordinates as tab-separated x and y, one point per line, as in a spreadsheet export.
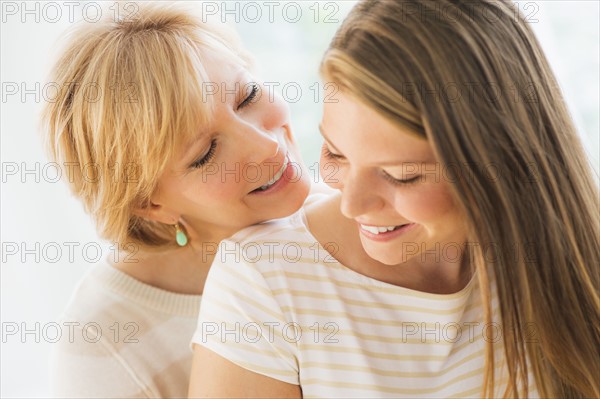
393	180
330	155
207	157
248	100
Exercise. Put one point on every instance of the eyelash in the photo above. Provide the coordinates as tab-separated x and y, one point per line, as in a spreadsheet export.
330	155
336	157
207	158
399	182
250	97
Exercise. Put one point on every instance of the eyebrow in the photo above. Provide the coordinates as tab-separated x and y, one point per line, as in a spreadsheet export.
326	138
392	163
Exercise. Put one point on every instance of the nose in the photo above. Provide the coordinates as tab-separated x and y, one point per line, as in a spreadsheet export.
262	145
359	195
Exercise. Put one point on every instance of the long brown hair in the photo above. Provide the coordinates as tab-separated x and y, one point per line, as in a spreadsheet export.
472	78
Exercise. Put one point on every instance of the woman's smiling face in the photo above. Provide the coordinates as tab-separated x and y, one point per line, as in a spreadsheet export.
391	185
242	169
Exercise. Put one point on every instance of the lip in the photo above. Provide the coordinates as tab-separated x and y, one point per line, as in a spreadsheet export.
387	236
284	180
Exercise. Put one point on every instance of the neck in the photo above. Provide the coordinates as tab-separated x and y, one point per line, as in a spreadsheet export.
180	270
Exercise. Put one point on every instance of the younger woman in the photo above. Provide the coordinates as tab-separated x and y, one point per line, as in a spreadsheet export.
461	258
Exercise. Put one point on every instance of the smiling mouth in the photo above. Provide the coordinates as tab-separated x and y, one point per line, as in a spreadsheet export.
381	229
275	178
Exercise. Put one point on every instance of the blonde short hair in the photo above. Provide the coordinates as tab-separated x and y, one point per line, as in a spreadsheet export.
131	91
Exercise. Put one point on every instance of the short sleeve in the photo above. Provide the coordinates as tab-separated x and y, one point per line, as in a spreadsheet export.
241	320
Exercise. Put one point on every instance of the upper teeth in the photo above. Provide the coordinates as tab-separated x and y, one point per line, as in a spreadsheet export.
277	175
376	229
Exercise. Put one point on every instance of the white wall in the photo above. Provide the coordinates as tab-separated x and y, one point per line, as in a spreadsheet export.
38	212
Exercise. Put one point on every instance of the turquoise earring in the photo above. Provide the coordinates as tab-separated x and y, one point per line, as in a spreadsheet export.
180	236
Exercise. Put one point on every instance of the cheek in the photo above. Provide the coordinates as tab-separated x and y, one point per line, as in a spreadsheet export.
330	171
221	187
209	191
427	204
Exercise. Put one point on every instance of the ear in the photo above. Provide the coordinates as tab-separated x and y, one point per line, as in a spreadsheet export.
157	213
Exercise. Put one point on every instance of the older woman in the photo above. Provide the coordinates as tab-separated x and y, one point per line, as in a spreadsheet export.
188	148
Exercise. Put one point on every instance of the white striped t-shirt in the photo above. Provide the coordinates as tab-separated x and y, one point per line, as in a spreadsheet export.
276	303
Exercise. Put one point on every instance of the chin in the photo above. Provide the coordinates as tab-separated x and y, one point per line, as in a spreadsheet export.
386	259
300	194
294	201
388	255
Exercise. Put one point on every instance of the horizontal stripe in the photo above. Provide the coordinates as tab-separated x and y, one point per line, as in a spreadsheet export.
330	313
233	273
372	354
399	291
376	305
387	389
257	305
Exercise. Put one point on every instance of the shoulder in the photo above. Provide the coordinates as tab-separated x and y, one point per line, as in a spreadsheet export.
108	294
272	259
93	299
102	297
286	228
265	244
118	335
110	309
85	361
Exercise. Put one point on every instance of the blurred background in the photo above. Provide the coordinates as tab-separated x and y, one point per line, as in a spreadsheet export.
39	217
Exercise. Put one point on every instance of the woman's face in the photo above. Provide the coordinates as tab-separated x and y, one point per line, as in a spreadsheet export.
242	169
391	185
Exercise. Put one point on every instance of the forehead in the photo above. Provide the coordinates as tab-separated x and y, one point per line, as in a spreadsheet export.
364	135
222	66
